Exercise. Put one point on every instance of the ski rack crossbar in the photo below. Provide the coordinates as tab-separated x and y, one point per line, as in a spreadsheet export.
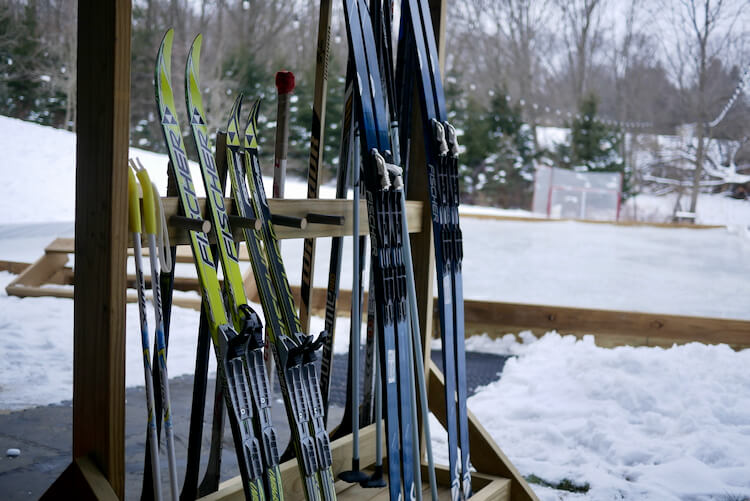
332	217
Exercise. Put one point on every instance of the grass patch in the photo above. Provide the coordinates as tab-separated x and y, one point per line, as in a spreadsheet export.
563	485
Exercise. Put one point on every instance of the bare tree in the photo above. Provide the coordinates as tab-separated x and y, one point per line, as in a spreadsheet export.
582	32
703	31
521	37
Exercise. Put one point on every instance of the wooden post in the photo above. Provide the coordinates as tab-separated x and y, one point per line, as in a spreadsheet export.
100	242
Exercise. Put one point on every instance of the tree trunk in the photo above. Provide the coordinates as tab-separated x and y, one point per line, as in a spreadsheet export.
698	167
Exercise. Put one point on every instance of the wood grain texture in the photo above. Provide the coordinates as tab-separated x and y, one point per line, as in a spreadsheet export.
103	76
300	208
81	480
486	486
14	267
498	217
41	271
615	327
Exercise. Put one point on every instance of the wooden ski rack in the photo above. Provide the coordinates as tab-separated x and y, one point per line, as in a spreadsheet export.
97	469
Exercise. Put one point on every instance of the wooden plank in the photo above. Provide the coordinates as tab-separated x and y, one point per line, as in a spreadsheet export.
341	451
35	291
103	76
486	455
40	272
83	479
500	217
621	326
14	267
61	244
486	486
300	208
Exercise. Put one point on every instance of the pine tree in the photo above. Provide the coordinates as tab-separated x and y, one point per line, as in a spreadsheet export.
23	83
497	164
594	147
7	50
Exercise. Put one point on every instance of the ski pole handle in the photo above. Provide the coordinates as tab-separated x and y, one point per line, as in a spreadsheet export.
149	211
285	87
134	209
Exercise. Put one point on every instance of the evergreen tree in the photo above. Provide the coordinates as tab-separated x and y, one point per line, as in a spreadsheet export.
593	147
22	66
145	128
7	51
497	164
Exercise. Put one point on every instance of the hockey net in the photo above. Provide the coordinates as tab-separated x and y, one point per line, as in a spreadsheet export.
567	194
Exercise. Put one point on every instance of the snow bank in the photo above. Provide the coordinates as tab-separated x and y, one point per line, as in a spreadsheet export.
633	423
38	170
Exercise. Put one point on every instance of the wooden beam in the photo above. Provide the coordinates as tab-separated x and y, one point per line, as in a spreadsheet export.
341	451
103	76
486	455
83	479
300	208
485	486
499	217
14	267
612	327
40	271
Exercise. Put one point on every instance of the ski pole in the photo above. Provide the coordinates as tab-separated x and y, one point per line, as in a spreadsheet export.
355	475
135	230
285	86
151	205
376	479
317	148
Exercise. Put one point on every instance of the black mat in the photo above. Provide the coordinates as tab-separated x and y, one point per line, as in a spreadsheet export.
44	434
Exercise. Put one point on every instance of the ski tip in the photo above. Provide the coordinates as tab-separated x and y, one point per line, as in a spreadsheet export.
165	49
254	110
251	132
237	106
284	81
164	59
233	124
195	54
252	118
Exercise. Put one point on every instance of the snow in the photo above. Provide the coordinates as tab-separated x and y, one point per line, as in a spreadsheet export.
551	137
632	423
39	347
710	210
48	164
631	268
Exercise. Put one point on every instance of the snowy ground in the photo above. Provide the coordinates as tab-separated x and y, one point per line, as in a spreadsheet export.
632	423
